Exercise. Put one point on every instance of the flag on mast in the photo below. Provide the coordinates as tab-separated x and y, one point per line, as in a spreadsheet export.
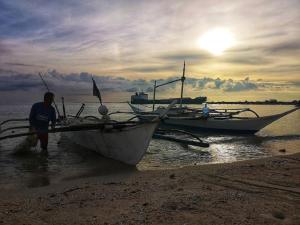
96	91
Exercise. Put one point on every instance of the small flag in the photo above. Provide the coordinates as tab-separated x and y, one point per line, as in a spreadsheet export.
96	91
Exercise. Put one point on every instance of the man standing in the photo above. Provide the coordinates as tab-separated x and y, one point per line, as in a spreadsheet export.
205	111
40	115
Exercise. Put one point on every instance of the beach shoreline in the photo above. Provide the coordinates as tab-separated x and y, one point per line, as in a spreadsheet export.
260	191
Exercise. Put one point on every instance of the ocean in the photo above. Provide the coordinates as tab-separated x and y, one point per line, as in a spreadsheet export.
67	161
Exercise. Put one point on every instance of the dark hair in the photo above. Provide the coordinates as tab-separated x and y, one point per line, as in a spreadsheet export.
48	95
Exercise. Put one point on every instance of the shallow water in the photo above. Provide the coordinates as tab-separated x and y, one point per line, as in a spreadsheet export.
67	161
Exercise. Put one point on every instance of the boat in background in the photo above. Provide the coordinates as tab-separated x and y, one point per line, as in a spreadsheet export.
218	120
142	98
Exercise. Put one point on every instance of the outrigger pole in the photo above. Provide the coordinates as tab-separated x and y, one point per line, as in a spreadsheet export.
119	125
182	83
49	91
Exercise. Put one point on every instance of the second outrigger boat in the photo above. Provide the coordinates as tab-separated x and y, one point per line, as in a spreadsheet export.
218	120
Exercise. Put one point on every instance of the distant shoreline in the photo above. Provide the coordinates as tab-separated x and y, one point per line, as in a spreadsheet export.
254	103
296	103
240	103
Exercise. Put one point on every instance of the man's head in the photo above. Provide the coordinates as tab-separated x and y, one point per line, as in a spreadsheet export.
48	98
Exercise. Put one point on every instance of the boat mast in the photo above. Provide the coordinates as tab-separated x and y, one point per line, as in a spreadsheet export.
182	83
45	84
154	90
160	85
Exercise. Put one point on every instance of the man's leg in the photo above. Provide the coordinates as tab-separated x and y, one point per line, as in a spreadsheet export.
43	137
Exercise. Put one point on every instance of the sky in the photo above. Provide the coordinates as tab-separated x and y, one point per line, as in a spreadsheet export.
128	44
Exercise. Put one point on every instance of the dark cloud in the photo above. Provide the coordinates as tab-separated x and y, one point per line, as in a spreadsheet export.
291	47
270	35
149	89
134	89
243	85
288	68
4	50
243	49
80	83
17	23
15	82
188	56
248	60
150	69
285	47
23	64
296	83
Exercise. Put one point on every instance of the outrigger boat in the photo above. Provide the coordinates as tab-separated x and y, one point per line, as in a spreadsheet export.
125	141
219	120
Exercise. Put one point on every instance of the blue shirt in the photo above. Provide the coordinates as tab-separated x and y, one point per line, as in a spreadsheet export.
41	115
205	111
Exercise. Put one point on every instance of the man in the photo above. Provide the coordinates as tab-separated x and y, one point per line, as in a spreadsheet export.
205	111
40	115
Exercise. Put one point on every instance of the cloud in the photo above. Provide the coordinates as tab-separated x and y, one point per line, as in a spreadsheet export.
296	83
23	82
150	69
23	64
185	55
283	69
244	85
80	83
285	47
247	60
143	36
269	35
4	50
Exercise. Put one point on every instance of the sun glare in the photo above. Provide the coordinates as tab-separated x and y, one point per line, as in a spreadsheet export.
216	41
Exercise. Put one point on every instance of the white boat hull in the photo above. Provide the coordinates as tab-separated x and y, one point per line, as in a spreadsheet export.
127	145
251	125
238	125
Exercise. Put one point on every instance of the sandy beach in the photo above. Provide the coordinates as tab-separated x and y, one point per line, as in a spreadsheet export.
263	191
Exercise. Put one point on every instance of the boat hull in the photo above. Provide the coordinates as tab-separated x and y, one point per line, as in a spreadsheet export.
226	125
127	145
216	126
241	125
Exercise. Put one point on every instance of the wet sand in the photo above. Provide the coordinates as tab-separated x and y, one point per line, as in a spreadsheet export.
263	191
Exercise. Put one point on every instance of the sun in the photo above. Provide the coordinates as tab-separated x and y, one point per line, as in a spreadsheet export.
216	41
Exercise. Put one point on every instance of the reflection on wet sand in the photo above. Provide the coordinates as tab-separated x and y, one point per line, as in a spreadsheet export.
36	167
65	162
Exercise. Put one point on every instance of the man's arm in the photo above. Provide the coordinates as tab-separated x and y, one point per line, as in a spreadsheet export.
32	115
53	118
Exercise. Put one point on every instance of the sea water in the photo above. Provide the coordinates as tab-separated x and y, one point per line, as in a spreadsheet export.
67	161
